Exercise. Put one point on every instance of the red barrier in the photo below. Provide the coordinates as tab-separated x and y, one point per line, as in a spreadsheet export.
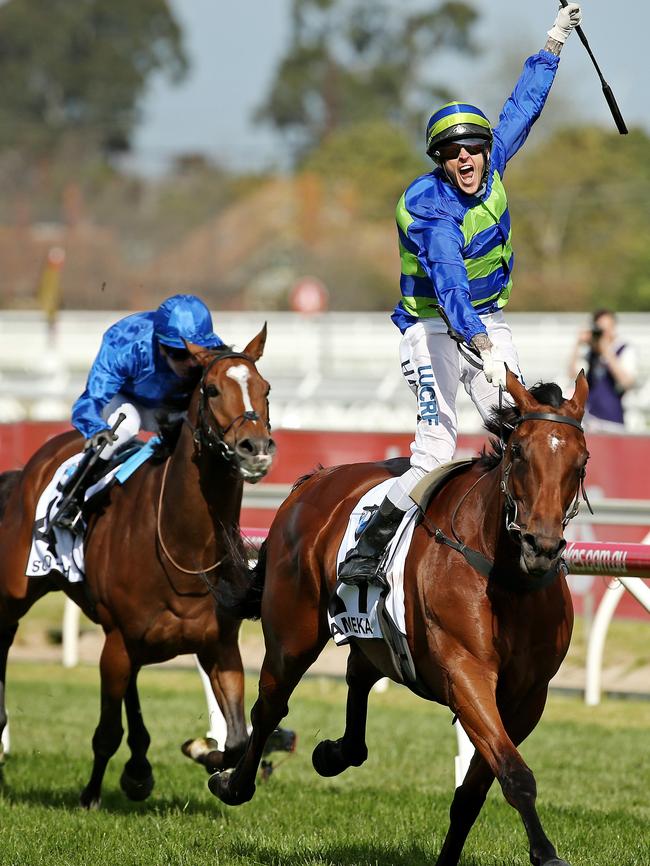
609	558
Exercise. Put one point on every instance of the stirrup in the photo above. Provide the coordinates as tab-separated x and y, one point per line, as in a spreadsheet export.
70	519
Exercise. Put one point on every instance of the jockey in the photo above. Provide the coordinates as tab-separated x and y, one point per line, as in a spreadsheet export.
142	365
455	247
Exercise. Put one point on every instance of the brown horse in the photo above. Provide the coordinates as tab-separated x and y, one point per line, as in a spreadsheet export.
486	645
154	551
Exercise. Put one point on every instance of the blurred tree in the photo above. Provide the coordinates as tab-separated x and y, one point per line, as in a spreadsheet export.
373	160
74	71
359	60
579	205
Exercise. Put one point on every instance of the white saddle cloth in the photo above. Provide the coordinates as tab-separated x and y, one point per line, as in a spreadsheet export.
353	612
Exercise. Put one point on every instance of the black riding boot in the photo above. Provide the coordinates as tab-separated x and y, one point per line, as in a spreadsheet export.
362	562
70	516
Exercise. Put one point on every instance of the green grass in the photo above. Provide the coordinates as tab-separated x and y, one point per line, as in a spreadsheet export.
591	766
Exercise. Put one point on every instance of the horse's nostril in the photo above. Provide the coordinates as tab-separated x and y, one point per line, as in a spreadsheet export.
271	447
246	447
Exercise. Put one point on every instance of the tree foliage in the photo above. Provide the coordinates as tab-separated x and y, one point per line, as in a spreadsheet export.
579	205
78	69
353	61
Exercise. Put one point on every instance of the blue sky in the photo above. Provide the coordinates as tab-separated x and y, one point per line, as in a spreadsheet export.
234	48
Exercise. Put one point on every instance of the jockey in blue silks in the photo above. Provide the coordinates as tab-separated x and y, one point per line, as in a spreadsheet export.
455	248
142	365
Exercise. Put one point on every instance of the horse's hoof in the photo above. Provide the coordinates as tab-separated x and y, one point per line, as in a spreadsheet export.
328	758
136	789
89	801
198	748
220	785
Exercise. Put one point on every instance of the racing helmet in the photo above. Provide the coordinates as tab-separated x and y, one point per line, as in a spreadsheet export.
185	317
457	122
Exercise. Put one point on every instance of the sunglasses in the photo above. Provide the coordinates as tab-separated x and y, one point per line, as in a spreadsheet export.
452	151
176	354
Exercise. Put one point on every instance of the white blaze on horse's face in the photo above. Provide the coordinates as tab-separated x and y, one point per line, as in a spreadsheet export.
555	442
241	374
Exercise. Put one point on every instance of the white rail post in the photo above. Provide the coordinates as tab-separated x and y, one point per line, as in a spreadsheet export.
6	741
70	637
465	753
218	727
596	642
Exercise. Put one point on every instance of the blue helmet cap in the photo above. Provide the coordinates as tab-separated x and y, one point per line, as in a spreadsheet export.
185	317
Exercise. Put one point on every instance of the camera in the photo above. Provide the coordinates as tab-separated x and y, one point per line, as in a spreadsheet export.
596	333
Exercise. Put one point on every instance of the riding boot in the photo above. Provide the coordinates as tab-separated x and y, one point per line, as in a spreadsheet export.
71	515
361	564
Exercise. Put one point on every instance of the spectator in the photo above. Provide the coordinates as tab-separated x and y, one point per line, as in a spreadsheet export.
611	371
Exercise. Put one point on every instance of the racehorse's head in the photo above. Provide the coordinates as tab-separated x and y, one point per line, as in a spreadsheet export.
232	409
544	465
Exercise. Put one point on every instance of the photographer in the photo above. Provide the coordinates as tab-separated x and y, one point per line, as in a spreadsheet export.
610	368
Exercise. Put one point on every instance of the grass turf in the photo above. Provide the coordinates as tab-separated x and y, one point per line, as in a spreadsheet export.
591	766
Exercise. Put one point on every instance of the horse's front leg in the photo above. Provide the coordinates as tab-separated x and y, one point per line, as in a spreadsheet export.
289	652
331	757
223	667
473	698
115	671
137	777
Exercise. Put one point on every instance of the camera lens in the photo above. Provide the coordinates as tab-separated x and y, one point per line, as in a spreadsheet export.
596	333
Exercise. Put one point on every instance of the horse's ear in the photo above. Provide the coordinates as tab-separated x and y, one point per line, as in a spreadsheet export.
576	405
523	400
199	353
255	348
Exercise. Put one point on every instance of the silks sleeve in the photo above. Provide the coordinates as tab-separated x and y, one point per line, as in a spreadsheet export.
110	370
523	107
440	241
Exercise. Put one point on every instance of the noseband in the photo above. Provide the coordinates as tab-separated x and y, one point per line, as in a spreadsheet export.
208	433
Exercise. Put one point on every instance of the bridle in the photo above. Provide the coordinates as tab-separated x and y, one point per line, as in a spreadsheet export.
211	437
208	433
511	508
475	558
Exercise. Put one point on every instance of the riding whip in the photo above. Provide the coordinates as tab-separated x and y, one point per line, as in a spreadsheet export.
85	464
607	90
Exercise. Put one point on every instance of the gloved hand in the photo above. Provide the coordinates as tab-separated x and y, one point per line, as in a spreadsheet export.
96	440
567	19
493	367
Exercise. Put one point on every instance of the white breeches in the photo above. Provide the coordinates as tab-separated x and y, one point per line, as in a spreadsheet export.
137	418
433	368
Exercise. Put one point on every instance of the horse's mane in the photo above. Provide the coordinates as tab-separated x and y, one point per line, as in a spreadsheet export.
177	400
300	481
501	421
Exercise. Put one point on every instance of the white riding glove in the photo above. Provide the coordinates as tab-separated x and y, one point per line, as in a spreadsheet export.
567	19
494	368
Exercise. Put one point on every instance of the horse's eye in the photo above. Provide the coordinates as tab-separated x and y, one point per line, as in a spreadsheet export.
212	390
515	451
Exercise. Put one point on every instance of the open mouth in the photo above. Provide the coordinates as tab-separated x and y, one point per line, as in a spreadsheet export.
467	173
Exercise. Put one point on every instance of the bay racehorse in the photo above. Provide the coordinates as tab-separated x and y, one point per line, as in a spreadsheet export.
484	644
155	549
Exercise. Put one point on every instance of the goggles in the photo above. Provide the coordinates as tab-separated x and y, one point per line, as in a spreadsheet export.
452	151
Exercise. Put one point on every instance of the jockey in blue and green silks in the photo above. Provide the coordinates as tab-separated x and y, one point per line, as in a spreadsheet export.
455	247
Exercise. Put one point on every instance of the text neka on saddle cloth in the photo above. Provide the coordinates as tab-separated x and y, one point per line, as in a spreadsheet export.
353	610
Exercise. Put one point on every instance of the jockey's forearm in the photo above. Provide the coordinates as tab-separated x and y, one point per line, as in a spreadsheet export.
553	46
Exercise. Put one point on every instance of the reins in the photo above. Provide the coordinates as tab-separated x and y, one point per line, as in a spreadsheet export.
202	571
204	433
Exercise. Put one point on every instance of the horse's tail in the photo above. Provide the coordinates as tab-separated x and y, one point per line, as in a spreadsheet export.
8	481
242	598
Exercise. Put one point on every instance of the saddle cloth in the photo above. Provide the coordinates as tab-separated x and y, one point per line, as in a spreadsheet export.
354	611
59	549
